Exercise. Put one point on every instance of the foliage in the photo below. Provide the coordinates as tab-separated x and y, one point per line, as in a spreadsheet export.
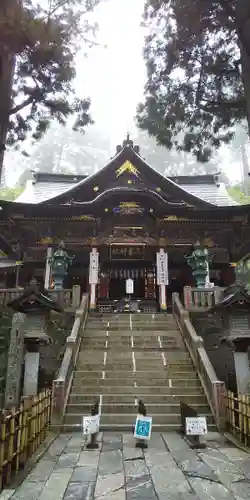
194	92
172	162
242	271
10	194
236	192
42	37
62	150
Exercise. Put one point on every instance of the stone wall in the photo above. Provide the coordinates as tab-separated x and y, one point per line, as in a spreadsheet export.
220	354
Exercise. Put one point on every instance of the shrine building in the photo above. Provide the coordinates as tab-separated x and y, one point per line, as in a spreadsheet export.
117	221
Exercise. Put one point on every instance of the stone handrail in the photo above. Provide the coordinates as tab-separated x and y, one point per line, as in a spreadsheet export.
62	384
213	388
201	298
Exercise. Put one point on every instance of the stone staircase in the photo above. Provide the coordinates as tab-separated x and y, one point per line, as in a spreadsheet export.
125	357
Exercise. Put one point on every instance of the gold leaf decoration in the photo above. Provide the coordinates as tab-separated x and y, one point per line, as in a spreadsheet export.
127	167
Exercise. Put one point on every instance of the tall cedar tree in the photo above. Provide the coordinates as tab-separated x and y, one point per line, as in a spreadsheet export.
198	63
38	43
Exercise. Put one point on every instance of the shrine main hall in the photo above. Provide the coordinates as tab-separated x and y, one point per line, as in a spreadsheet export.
125	221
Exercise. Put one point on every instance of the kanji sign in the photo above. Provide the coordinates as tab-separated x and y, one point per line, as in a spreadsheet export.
196	426
162	267
132	252
93	267
143	427
129	286
91	424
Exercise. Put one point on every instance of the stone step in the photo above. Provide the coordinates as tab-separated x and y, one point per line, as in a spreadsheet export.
164	373
137	341
131	381
126	419
122	408
138	392
190	398
160	386
161	372
153	378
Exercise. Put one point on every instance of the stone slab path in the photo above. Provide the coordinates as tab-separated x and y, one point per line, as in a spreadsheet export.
168	470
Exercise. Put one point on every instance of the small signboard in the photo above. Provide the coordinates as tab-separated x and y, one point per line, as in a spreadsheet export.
91	424
129	286
121	252
196	426
143	427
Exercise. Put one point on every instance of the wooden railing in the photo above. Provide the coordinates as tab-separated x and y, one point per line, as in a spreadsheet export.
213	388
21	432
201	298
62	384
66	297
237	414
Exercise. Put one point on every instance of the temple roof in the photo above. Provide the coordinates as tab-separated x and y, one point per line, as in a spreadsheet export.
33	301
200	190
235	296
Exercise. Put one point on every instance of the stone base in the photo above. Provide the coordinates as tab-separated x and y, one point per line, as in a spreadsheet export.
141	444
195	442
93	445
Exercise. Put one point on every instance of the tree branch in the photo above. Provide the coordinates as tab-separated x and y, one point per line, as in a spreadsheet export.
22	105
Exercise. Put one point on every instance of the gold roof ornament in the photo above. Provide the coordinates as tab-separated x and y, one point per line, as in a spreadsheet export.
209	243
127	167
129	204
47	240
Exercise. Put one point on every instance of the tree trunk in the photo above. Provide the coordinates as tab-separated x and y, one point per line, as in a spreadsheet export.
242	20
245	60
6	78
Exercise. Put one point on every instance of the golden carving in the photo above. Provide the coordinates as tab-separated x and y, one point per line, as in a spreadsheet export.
208	243
47	240
172	218
83	217
127	167
129	204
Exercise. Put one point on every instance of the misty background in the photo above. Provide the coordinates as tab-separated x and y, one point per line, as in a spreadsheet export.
112	74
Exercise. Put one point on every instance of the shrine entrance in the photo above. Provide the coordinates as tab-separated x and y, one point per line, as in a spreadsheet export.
117	282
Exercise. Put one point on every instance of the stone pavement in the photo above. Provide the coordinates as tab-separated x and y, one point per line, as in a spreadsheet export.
168	470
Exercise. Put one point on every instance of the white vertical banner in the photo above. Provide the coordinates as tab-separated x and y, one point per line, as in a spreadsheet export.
162	267
48	268
93	267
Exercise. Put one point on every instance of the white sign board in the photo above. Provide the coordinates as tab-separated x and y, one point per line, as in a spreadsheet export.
143	427
162	267
93	267
196	426
129	286
91	424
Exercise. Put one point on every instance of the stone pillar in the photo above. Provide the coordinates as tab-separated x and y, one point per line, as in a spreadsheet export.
17	276
48	269
31	372
162	277
242	372
15	361
76	296
93	276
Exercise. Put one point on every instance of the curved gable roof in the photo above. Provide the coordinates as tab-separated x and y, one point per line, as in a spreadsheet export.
128	153
56	189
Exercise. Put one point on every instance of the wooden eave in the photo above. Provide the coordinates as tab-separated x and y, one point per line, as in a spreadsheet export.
238	214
